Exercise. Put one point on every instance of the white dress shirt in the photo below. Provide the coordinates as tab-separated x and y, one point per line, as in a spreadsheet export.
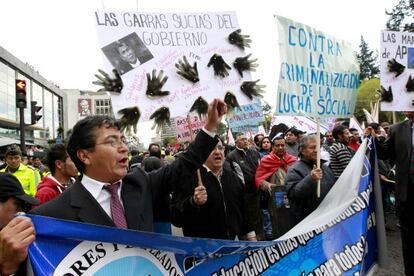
102	196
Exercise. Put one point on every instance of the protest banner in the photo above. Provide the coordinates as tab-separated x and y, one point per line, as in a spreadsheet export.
184	133
159	41
247	115
319	74
397	71
338	238
302	123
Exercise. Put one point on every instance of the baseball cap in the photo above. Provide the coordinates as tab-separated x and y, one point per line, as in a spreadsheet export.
11	187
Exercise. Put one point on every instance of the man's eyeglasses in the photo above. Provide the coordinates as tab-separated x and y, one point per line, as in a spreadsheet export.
220	147
114	142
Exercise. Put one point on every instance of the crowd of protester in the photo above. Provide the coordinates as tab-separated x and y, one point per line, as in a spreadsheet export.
257	189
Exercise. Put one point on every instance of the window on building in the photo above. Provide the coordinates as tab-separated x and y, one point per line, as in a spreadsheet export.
103	107
7	92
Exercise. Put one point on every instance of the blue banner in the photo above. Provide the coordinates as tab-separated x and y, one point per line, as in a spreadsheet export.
344	245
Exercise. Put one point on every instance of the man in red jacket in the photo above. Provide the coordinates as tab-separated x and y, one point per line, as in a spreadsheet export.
271	163
270	178
62	170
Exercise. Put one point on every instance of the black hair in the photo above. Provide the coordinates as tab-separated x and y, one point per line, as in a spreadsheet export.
352	129
238	134
279	136
338	130
294	131
156	153
256	140
261	142
57	152
279	128
151	163
83	136
375	126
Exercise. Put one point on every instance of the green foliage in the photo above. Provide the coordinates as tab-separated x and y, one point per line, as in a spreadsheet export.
170	140
367	94
368	65
398	16
267	112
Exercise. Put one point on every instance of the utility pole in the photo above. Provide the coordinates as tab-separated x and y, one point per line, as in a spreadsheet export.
22	138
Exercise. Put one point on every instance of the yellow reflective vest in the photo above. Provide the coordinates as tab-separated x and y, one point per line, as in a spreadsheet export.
27	177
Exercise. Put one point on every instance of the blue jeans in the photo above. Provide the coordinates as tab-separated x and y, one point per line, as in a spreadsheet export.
267	224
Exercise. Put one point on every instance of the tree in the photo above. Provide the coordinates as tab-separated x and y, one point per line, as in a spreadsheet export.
367	94
170	140
267	112
367	62
401	16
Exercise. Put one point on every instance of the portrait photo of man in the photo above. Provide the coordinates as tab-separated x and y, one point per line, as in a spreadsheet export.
127	53
84	107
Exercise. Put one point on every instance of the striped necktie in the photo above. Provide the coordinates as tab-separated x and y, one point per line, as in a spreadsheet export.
117	211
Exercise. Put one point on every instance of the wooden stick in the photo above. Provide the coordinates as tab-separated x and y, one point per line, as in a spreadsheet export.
200	181
190	127
318	153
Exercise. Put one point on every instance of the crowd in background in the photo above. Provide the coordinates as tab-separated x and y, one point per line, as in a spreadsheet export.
257	189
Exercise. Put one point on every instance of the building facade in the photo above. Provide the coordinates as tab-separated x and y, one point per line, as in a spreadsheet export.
84	103
47	95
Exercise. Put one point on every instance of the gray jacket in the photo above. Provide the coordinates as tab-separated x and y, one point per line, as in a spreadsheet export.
301	188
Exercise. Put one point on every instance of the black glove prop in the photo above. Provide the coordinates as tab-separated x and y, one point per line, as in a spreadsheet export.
395	67
219	65
244	64
161	117
251	88
241	41
129	119
231	101
200	106
187	71
410	84
385	95
155	84
110	84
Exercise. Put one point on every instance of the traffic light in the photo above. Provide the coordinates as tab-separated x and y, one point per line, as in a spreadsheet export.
34	110
21	94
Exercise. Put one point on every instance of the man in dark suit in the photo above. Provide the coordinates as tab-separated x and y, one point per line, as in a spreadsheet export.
398	147
98	150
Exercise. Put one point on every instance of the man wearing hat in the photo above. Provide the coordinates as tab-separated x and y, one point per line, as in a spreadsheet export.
26	176
16	233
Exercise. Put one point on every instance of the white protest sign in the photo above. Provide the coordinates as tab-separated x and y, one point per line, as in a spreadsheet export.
300	122
247	115
397	47
183	127
160	40
319	74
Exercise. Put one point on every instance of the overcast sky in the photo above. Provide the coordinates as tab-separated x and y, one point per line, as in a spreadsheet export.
58	38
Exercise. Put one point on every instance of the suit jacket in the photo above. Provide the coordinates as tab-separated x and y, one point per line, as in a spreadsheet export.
397	147
139	191
123	67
